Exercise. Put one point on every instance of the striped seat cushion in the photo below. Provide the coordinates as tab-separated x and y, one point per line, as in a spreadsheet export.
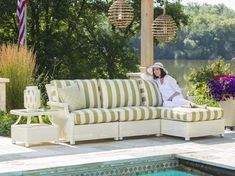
191	114
138	113
150	93
95	115
88	89
119	93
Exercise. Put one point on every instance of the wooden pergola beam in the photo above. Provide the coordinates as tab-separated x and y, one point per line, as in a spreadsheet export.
146	34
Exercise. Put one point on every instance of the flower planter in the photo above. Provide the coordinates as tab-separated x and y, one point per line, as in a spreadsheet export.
229	112
222	89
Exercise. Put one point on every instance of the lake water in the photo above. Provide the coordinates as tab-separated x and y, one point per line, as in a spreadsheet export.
180	69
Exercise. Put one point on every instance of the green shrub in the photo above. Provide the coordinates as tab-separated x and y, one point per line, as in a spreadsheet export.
6	120
199	78
202	100
16	63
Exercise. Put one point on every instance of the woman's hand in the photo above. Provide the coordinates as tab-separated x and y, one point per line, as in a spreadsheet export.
173	95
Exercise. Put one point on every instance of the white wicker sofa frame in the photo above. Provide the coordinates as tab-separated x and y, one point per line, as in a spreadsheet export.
120	108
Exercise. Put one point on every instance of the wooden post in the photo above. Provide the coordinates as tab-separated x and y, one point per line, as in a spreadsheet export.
146	34
146	37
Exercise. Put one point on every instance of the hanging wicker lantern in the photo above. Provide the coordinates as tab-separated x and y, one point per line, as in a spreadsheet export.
120	13
164	27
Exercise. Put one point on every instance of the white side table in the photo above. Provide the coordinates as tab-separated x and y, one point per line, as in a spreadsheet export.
34	132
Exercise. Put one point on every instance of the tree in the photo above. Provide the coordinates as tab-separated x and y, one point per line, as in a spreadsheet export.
74	39
209	35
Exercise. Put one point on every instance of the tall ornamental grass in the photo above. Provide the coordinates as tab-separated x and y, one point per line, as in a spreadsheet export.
16	63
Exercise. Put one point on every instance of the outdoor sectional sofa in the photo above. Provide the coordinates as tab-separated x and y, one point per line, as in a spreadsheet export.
124	107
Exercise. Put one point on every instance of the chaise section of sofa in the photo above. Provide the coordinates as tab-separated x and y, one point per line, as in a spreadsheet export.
185	122
191	122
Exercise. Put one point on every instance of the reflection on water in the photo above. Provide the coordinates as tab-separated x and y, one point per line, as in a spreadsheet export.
180	69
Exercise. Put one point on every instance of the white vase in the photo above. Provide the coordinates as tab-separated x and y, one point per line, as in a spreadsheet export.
32	99
229	111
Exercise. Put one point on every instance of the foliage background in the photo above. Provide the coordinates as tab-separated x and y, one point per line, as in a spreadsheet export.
209	35
201	76
74	39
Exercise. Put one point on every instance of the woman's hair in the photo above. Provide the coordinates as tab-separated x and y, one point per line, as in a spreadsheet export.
163	73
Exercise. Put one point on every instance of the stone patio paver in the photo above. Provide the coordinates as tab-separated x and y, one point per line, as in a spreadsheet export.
212	150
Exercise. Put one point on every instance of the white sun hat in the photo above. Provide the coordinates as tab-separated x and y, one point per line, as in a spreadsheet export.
156	65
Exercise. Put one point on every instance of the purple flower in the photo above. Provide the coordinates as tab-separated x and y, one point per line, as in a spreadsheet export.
222	87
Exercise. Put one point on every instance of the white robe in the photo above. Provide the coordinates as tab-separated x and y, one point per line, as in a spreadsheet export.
168	88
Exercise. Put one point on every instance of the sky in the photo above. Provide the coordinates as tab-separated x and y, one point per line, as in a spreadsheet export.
228	3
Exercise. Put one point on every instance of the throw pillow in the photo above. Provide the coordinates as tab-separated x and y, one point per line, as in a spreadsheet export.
72	96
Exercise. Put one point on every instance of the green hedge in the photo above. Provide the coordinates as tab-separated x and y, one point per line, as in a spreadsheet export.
6	120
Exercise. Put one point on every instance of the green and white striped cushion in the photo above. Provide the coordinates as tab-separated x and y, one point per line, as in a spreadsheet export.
88	88
91	92
138	113
150	93
95	115
191	114
119	93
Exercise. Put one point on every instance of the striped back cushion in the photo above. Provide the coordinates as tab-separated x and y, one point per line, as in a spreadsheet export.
119	93
91	92
88	88
150	93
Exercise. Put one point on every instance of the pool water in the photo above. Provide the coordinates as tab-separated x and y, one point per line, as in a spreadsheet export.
169	173
161	165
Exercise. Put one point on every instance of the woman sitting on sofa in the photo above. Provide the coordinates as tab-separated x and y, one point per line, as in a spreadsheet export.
170	91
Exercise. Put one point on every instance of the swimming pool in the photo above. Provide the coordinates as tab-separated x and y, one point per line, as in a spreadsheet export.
147	166
169	173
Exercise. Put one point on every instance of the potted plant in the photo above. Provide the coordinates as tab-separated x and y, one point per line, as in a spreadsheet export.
222	89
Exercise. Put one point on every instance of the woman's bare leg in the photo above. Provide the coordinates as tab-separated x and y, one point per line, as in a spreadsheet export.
194	105
187	106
